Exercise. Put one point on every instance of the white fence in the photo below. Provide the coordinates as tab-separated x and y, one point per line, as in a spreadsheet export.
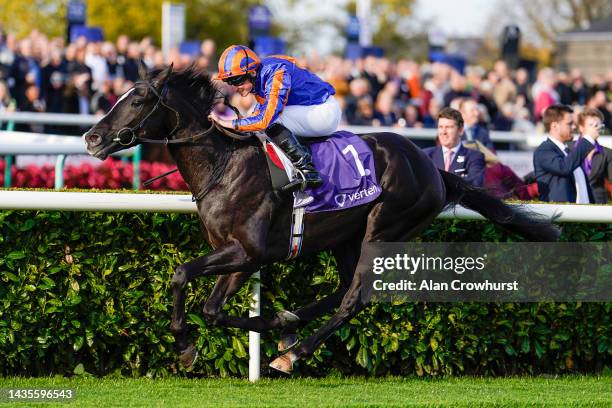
116	202
181	203
39	143
526	140
49	118
25	143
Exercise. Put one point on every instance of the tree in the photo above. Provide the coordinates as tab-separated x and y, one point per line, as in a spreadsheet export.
222	20
306	23
309	26
392	27
137	19
21	17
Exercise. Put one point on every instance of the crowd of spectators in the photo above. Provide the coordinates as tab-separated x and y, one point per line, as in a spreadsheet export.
39	74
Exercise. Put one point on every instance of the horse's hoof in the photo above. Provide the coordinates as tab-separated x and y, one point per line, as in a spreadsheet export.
188	356
287	318
287	341
284	363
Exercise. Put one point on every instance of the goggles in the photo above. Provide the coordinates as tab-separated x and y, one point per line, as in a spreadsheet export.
236	80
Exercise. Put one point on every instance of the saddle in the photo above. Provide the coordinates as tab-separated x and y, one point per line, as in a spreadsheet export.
345	163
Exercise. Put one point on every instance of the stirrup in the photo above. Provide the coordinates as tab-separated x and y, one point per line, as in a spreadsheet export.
295	185
298	183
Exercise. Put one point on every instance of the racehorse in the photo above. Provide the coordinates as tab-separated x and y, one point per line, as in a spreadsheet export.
247	223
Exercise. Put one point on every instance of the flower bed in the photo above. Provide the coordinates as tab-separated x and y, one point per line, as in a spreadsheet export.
110	174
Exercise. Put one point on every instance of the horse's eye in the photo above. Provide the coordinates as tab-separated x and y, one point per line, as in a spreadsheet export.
136	102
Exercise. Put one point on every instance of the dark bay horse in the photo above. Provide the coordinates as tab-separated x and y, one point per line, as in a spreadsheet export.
248	224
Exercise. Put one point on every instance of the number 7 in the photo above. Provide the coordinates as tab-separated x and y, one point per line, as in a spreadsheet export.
350	148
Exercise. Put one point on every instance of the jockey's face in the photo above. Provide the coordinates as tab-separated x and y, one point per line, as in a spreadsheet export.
245	88
448	132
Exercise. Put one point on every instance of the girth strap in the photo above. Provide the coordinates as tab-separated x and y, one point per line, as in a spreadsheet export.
297	232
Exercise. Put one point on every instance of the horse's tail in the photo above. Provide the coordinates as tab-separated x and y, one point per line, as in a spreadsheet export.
513	218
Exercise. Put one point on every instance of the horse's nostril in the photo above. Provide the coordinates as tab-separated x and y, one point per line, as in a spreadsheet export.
93	139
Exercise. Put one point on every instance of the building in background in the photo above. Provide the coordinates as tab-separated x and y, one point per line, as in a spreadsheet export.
589	50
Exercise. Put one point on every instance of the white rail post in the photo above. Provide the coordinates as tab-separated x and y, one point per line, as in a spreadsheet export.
59	171
254	337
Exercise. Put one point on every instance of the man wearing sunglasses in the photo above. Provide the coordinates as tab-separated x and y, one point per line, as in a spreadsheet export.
291	101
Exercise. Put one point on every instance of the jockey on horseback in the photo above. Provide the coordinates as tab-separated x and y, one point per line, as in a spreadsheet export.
291	101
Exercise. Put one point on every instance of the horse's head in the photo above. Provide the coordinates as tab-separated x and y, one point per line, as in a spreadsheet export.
141	112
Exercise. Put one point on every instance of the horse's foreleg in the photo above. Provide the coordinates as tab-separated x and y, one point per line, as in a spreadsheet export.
226	287
224	260
289	322
178	325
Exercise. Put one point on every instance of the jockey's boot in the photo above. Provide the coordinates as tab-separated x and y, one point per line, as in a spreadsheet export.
298	154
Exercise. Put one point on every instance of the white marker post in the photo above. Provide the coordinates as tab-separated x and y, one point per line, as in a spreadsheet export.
254	337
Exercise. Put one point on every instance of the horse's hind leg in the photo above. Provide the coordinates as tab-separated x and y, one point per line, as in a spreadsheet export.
383	226
346	258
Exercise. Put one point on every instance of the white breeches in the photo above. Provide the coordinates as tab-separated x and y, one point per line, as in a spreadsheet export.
314	120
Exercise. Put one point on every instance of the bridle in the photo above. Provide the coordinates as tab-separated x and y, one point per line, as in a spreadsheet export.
132	138
127	136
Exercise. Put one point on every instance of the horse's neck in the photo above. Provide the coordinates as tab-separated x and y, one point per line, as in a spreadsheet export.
197	163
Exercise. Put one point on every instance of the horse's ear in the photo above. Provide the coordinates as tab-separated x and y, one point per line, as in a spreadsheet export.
162	77
143	71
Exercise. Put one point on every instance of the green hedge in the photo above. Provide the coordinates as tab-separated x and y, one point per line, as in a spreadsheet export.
89	293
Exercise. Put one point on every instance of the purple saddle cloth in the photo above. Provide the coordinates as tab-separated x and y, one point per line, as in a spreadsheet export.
346	165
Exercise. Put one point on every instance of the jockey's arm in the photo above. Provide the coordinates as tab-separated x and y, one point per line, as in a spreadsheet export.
229	124
276	93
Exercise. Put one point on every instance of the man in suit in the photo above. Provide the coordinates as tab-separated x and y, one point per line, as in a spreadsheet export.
597	166
558	170
451	155
472	128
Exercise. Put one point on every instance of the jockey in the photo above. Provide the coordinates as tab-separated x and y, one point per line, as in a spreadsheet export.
290	101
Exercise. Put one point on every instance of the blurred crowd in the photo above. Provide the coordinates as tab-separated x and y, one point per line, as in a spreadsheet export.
39	74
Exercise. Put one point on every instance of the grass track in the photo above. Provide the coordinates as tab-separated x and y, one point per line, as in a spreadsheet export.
571	391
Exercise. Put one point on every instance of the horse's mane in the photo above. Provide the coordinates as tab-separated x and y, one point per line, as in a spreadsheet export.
195	84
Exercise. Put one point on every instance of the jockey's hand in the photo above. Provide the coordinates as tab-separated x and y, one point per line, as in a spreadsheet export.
224	123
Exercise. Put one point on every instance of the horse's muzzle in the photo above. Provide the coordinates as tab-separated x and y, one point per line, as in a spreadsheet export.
93	139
